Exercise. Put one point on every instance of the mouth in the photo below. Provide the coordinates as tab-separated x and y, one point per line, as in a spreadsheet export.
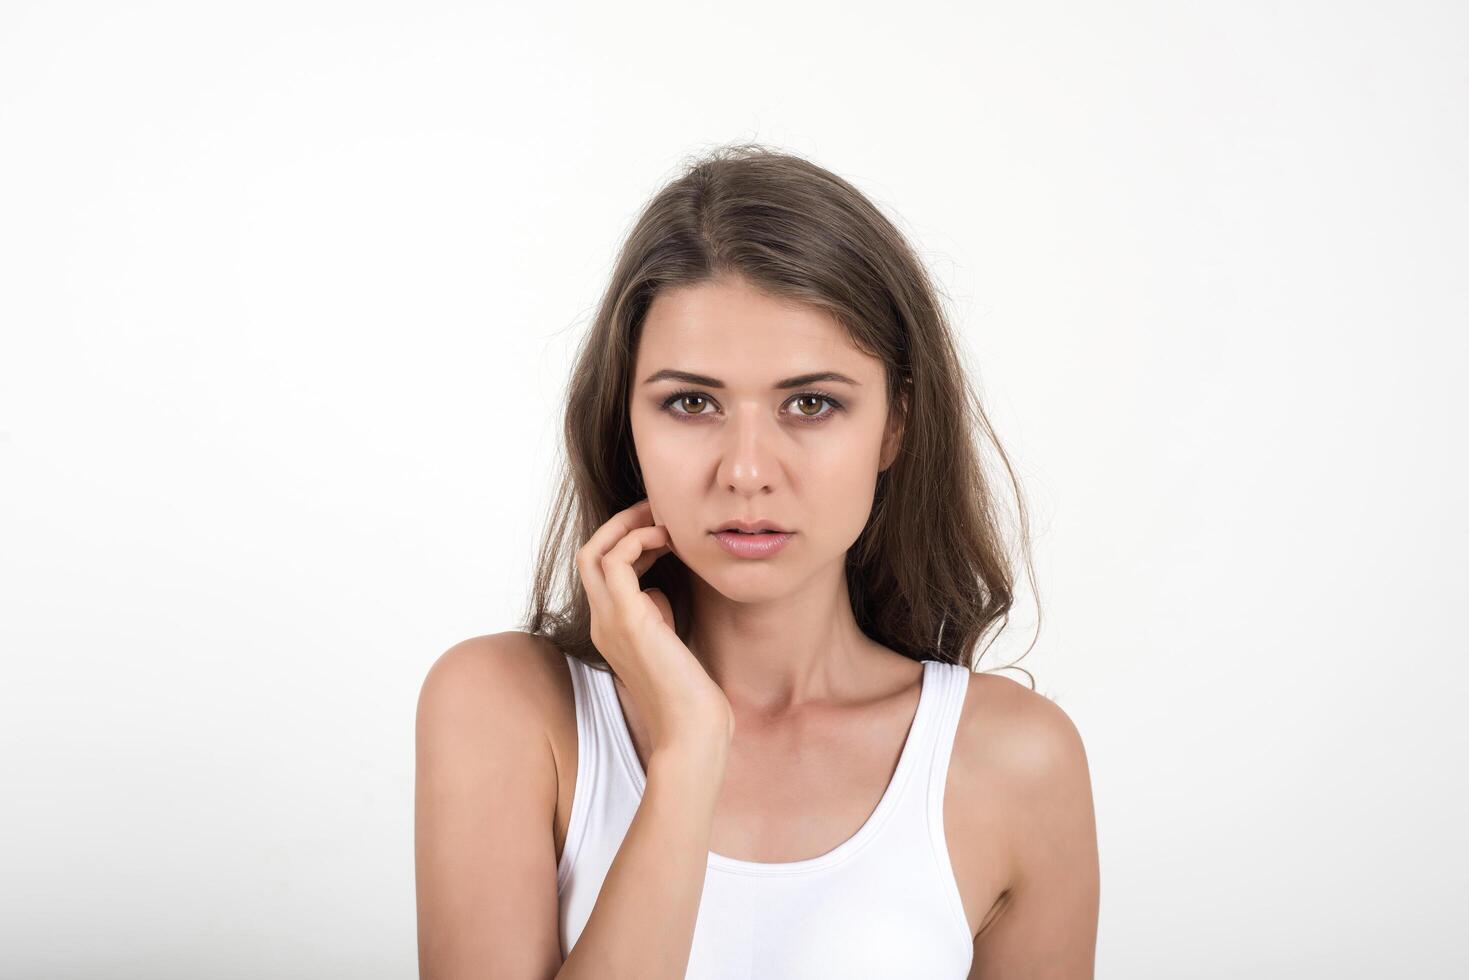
752	542
750	528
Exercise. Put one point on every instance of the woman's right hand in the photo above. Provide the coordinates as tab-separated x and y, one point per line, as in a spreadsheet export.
634	632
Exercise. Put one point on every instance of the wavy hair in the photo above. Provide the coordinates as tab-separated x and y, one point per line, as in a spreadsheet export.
930	575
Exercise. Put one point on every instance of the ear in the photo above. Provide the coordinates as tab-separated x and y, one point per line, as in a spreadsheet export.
893	435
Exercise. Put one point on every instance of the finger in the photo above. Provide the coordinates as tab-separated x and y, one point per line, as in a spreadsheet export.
589	556
649	556
622	582
615	527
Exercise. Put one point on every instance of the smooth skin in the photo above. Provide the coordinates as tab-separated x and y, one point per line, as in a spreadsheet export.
820	711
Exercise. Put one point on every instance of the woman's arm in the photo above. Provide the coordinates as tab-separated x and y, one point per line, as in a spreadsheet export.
1046	928
484	805
484	841
642	925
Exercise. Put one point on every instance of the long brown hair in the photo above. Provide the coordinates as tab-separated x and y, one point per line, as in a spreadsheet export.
929	575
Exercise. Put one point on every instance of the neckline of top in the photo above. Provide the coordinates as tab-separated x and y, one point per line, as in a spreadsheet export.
907	759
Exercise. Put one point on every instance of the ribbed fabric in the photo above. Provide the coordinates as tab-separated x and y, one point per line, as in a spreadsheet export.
882	904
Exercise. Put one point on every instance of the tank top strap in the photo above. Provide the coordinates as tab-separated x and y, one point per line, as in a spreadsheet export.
598	716
950	685
595	745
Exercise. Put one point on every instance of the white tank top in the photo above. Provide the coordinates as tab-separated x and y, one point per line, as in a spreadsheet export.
882	904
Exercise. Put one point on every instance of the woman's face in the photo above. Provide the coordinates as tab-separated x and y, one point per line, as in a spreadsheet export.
748	438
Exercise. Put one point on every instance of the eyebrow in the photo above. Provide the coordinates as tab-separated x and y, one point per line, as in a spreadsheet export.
799	381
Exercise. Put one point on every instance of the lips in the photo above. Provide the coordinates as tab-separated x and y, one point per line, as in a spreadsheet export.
753	544
751	527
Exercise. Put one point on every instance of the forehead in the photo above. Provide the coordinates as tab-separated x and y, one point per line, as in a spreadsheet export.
731	329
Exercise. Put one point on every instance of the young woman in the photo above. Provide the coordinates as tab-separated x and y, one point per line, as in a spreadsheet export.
741	734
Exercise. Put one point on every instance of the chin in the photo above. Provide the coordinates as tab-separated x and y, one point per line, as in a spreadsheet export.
749	593
743	579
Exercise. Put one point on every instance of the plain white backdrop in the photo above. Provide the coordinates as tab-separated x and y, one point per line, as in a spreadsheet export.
289	292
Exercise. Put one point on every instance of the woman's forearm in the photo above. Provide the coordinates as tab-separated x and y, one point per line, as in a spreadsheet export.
642	925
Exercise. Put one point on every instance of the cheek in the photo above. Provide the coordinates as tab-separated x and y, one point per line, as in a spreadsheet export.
655	453
662	456
668	478
670	484
839	492
846	503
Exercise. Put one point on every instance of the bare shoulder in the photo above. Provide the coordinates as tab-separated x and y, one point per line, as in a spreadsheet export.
485	793
510	672
1019	735
1021	772
1021	762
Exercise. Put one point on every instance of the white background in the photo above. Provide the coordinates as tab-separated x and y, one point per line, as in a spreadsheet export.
289	292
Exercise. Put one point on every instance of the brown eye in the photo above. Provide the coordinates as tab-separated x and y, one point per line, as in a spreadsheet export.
679	403
691	403
814	401
686	399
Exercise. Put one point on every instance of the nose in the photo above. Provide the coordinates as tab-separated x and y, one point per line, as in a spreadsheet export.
747	464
